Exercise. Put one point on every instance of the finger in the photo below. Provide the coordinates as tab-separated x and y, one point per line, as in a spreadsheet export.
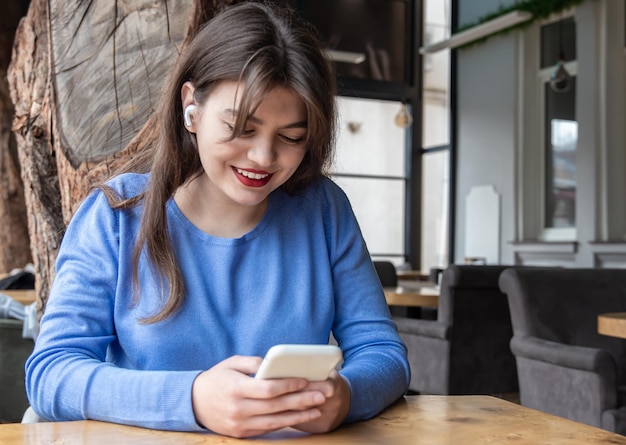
327	387
271	388
267	423
244	364
285	419
295	401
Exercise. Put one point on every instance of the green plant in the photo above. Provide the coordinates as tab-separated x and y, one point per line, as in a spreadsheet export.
540	9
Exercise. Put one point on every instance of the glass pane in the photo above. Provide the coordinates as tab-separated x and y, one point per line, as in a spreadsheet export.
368	141
379	207
558	42
374	29
436	72
561	140
435	217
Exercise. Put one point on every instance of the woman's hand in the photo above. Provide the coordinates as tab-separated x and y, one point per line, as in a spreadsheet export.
334	409
228	401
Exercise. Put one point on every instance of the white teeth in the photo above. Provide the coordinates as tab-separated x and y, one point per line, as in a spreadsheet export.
251	175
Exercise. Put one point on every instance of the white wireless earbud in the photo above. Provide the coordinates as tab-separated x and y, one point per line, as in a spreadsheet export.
190	109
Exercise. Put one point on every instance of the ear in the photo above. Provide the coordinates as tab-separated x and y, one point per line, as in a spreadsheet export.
187	99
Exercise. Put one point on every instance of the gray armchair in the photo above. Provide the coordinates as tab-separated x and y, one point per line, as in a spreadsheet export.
14	350
565	367
466	349
386	273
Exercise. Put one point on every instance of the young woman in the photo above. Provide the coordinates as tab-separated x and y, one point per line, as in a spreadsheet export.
172	283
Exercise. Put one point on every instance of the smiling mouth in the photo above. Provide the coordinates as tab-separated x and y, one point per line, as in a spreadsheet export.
252	175
251	178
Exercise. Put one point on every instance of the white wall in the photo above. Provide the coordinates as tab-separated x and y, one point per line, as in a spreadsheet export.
486	85
498	144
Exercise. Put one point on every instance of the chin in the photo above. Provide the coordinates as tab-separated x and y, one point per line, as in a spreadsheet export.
252	201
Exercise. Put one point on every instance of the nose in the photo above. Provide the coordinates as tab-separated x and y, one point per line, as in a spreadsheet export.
262	151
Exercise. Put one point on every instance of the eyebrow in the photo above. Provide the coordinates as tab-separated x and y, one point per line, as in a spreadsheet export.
257	121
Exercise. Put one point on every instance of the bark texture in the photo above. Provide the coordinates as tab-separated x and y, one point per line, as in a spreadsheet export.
14	240
84	78
30	87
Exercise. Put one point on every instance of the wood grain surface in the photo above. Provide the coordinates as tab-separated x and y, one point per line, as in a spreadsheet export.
613	324
418	297
414	420
109	60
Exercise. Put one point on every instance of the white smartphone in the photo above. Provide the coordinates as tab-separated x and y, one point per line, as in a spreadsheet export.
311	362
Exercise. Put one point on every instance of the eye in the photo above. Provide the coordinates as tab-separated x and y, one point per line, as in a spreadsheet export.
292	141
246	132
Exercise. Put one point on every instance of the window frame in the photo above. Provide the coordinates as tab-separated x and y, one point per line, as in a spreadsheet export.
531	188
549	234
410	93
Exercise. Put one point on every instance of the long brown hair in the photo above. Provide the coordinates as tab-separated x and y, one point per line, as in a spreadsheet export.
261	46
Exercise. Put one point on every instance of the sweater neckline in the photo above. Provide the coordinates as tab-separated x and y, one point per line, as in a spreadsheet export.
190	227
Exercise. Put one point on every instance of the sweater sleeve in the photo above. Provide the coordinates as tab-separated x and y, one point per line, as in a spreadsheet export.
376	365
68	376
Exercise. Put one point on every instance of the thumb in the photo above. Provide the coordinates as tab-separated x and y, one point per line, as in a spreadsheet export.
242	363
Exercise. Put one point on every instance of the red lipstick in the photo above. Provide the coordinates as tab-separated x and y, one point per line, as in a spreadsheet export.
251	177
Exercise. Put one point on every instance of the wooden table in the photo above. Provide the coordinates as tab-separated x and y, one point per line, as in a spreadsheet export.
427	296
418	297
25	297
411	275
613	324
415	420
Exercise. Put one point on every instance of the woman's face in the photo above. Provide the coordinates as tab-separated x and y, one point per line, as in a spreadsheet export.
245	170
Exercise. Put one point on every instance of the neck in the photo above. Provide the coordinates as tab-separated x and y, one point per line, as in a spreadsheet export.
214	216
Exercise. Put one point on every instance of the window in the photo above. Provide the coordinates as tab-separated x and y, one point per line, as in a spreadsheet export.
560	128
370	166
561	174
435	139
435	193
373	46
367	38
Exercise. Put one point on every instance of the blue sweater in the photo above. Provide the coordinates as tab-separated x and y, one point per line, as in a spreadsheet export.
303	272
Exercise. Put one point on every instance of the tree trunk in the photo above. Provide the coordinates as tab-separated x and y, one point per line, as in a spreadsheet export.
30	84
84	80
14	240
